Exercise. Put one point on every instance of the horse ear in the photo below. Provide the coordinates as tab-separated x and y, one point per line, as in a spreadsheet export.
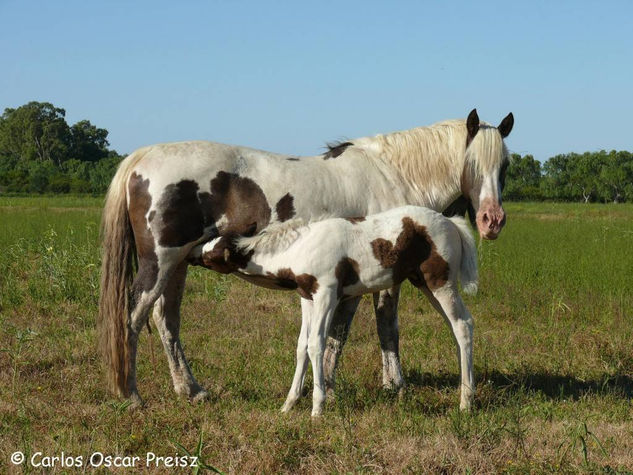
505	127
472	124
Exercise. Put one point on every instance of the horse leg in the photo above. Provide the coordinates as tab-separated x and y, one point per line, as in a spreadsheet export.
449	304
386	309
337	335
167	320
147	286
323	311
302	357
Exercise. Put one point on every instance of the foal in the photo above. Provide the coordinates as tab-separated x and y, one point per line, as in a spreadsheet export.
330	260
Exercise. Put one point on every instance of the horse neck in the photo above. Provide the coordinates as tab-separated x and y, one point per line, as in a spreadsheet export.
360	182
429	161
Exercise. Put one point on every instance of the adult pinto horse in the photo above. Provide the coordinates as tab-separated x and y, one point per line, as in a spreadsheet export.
166	199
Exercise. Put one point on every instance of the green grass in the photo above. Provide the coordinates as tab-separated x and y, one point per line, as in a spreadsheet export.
553	359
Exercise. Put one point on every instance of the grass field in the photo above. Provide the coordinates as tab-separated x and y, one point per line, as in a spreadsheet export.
553	359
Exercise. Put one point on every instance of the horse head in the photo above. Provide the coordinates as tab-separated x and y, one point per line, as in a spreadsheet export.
484	172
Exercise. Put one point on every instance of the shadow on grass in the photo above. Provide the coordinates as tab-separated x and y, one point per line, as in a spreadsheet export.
553	386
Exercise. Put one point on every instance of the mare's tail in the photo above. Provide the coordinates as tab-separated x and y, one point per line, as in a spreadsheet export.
117	269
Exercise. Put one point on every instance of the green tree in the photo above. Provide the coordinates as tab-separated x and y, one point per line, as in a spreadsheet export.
40	176
39	152
523	178
570	177
591	176
616	176
36	131
103	171
87	142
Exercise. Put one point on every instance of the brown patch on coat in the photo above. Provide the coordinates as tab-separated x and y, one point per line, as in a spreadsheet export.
181	216
414	256
140	203
346	272
434	270
356	220
185	212
285	207
240	200
305	284
335	149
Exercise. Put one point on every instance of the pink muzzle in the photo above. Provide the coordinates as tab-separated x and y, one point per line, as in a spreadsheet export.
490	219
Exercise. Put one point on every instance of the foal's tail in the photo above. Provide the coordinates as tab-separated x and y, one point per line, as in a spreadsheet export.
117	267
468	267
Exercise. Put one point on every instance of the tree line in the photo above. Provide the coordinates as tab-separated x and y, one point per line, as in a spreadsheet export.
41	153
588	177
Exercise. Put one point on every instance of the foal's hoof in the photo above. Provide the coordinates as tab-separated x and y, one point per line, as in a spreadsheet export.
289	404
465	407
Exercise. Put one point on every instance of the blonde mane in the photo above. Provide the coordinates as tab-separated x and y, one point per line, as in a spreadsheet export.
436	155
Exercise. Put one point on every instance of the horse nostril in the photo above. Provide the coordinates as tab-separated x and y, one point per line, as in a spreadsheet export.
485	218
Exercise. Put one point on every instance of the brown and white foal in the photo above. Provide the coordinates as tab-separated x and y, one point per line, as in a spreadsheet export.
330	260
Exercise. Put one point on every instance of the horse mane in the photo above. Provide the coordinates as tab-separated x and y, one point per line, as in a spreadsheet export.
334	149
426	155
273	237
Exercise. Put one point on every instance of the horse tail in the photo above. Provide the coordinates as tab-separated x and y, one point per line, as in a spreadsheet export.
117	271
468	265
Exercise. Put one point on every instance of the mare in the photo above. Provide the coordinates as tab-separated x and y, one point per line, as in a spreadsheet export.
166	199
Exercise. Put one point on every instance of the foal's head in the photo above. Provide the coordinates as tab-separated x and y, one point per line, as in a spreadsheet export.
484	172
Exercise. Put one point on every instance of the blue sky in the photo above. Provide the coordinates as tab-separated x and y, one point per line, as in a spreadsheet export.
288	76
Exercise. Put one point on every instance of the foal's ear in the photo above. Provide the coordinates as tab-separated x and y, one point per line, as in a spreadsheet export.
505	127
472	124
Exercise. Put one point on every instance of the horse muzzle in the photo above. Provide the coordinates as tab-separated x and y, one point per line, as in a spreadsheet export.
490	220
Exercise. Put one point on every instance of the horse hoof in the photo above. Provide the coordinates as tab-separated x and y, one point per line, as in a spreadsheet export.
465	407
201	396
135	402
288	405
394	386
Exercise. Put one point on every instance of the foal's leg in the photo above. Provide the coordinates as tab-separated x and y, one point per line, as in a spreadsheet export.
386	308
302	357
323	310
449	304
167	319
337	335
